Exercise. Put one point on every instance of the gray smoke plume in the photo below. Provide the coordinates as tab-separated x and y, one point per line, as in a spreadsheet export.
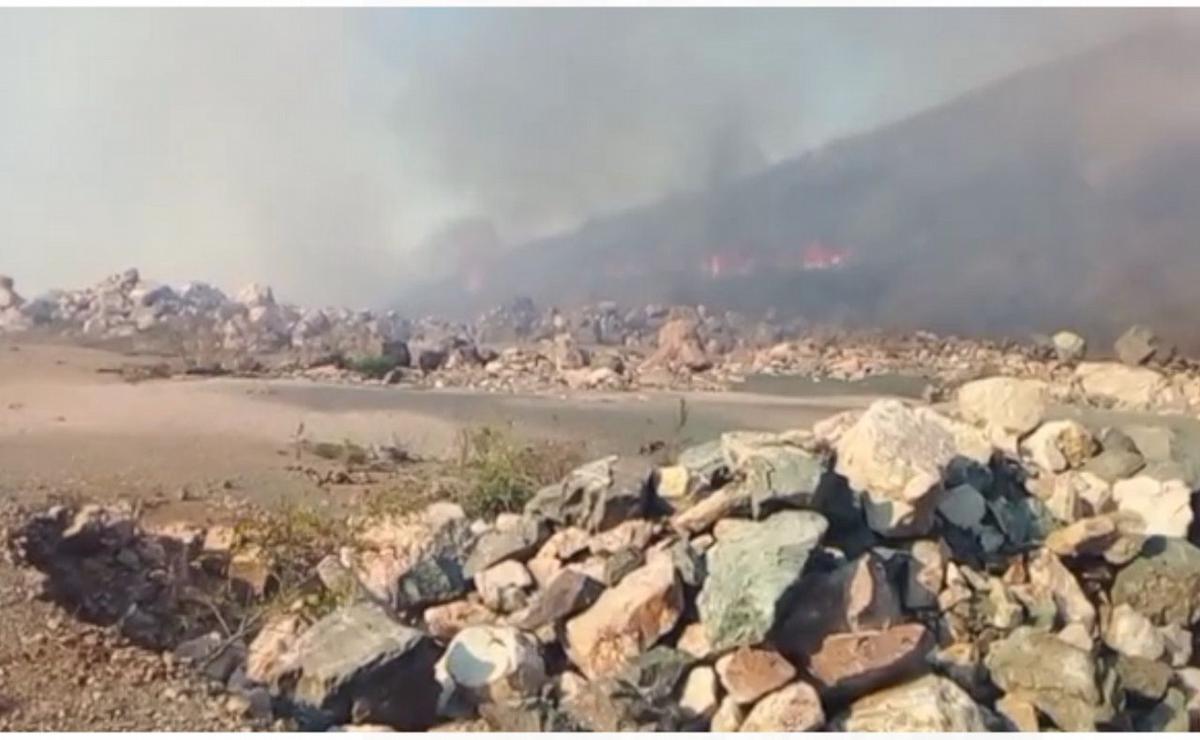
321	149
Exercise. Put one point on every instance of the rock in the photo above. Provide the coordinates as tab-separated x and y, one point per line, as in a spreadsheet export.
776	472
1013	405
211	655
748	674
1136	346
728	718
750	571
1177	645
793	708
849	665
700	517
928	704
706	465
565	544
925	574
1048	575
694	641
504	587
1069	346
518	543
895	455
532	715
961	663
1113	464
595	496
622	563
610	705
447	620
1165	507
431	580
268	651
1019	711
491	663
1188	680
1170	715
689	563
1078	635
1058	678
679	347
1059	445
1144	677
1163	583
634	533
963	506
349	663
655	674
1124	387
699	697
569	593
1130	633
854	597
626	620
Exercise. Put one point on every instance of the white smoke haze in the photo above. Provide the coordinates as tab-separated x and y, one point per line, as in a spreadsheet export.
319	149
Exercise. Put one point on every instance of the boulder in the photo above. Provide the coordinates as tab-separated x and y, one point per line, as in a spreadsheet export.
596	496
928	704
268	651
749	573
494	663
1059	678
748	674
348	665
1130	388
1163	583
1136	346
853	597
517	543
504	587
1069	346
776	472
626	620
895	455
793	708
567	594
850	665
728	717
1013	405
1050	579
1164	506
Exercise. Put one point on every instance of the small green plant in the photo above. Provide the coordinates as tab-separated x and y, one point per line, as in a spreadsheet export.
502	474
345	451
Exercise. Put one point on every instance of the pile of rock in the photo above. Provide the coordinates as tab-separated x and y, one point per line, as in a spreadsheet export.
896	569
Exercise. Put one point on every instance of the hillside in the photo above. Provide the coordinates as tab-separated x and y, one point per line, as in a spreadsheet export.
1063	195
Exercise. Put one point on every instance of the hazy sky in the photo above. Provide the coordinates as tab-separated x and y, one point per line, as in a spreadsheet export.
314	149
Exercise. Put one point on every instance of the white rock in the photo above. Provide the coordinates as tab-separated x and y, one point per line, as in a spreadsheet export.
699	696
1165	506
491	663
1134	388
895	455
1013	405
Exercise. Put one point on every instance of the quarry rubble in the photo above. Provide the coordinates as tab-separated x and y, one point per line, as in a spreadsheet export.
520	347
978	566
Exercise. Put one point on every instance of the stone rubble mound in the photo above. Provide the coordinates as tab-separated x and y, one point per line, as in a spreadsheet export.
983	566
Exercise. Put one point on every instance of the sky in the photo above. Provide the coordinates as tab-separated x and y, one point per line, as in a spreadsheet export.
322	150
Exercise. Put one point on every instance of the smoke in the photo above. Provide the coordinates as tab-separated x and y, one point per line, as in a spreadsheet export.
319	150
